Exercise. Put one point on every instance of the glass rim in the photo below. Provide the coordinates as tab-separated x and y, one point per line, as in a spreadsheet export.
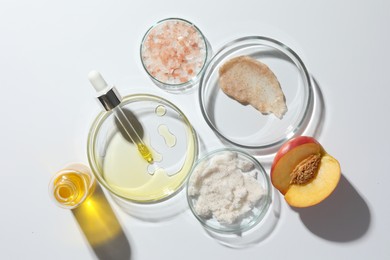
269	42
185	85
268	193
94	130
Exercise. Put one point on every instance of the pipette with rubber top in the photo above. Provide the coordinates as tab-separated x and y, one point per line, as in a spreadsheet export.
110	99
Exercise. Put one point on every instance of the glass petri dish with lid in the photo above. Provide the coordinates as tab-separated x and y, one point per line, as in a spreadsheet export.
174	53
228	191
142	189
242	125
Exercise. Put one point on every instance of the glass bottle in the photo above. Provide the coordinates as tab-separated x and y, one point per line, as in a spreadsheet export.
72	185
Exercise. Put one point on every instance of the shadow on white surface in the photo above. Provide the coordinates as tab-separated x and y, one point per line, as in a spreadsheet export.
342	217
101	228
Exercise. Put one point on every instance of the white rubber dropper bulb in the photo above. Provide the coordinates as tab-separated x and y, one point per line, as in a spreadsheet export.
97	81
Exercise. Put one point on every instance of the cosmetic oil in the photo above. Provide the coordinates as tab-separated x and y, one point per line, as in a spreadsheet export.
72	185
133	178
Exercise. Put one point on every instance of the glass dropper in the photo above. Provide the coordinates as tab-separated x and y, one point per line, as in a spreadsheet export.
110	99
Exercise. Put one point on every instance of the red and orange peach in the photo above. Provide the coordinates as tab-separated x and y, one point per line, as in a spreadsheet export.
304	172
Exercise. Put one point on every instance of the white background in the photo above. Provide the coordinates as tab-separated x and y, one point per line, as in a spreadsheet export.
47	105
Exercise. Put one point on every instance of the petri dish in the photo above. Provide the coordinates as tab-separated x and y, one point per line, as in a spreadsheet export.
174	53
117	164
242	125
232	179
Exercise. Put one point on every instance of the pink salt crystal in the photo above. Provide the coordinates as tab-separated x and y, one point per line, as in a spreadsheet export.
173	52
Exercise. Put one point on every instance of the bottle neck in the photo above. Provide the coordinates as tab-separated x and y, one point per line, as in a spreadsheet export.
65	192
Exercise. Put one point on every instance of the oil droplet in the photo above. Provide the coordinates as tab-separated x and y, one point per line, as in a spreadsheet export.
170	139
152	168
160	110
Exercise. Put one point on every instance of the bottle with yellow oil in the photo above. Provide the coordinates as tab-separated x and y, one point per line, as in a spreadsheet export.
75	188
72	185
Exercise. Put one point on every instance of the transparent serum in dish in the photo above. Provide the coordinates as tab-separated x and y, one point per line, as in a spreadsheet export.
174	53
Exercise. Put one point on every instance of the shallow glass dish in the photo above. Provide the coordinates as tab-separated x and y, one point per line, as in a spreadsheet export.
174	53
243	125
228	178
117	163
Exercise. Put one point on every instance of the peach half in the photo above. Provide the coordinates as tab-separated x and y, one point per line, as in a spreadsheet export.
304	172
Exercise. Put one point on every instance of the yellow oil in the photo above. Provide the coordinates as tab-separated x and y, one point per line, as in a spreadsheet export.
74	188
145	152
71	187
160	110
127	173
170	139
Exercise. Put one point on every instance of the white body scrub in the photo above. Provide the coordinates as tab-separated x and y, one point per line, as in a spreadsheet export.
226	188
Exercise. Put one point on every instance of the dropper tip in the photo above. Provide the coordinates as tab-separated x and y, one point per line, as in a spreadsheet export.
97	80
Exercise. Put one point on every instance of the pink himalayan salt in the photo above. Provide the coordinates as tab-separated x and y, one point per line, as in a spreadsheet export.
174	52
